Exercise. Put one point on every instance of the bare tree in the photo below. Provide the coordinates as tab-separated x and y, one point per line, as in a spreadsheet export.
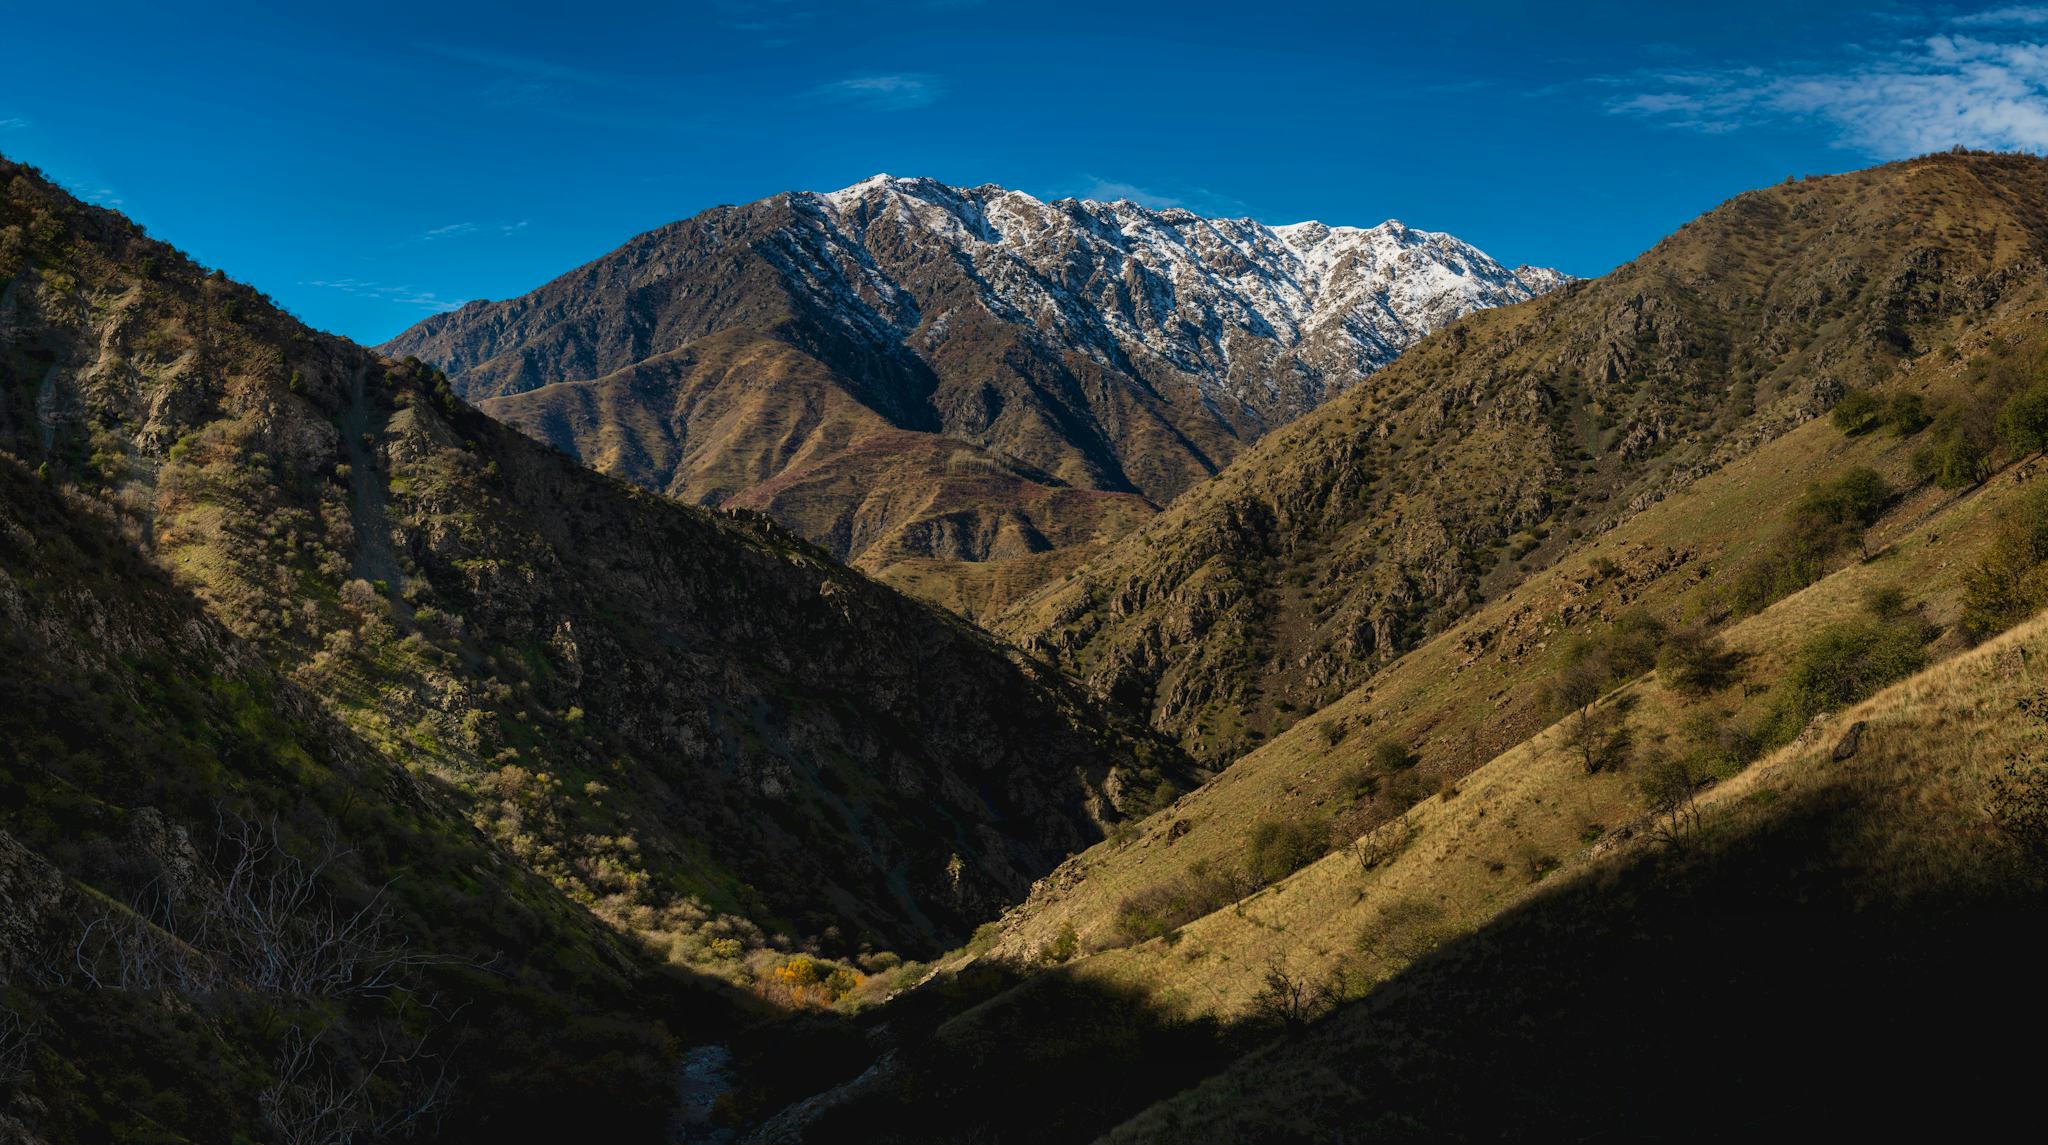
1294	1000
267	923
1379	845
17	1039
1598	736
318	1098
1671	789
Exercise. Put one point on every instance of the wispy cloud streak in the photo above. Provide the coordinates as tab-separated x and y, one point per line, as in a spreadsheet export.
902	91
1985	88
402	295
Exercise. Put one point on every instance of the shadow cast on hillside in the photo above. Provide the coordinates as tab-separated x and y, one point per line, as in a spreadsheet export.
1764	979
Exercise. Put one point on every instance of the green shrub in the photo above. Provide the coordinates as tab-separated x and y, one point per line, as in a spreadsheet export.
1906	414
2023	422
1955	461
1612	655
1359	781
1834	513
1859	411
1631	644
1887	602
1159	910
1276	848
1692	659
1407	788
1843	664
1393	755
2010	581
1831	516
1064	946
1717	744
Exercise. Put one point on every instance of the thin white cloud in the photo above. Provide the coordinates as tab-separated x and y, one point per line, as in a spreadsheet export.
452	230
105	197
515	228
773	26
528	66
1987	90
2019	15
1197	199
401	295
13	123
1109	191
903	91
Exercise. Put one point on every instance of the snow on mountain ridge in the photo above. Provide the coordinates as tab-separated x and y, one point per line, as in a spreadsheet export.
1228	301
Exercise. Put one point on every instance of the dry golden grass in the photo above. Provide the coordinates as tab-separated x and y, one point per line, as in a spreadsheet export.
1516	801
1891	852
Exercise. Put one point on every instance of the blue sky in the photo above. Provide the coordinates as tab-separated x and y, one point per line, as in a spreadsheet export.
369	163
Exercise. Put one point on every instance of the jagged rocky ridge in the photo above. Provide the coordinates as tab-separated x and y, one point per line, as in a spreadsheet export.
905	371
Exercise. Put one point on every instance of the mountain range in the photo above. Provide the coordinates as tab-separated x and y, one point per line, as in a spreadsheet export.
1360	692
960	390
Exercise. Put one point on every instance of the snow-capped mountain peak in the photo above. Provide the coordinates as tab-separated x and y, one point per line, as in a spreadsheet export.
1236	305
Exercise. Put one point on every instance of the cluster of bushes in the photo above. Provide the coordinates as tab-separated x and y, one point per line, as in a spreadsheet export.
1693	660
1844	663
2005	404
2010	581
1840	665
1690	658
1389	768
1861	411
1161	909
1832	516
1274	849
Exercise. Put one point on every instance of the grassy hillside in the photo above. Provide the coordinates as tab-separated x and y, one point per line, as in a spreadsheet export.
1863	919
1370	526
228	917
694	723
1566	901
1490	791
1590	719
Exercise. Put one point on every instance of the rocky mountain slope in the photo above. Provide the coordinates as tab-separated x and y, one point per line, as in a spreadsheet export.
904	371
1353	534
676	716
1661	775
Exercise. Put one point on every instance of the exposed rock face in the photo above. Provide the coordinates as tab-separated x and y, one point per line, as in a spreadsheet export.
904	370
1342	539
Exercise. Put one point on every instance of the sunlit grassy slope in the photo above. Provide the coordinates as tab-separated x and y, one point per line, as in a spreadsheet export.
1853	923
1508	803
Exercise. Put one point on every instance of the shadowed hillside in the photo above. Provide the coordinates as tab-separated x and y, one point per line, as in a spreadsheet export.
225	914
671	714
1862	923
